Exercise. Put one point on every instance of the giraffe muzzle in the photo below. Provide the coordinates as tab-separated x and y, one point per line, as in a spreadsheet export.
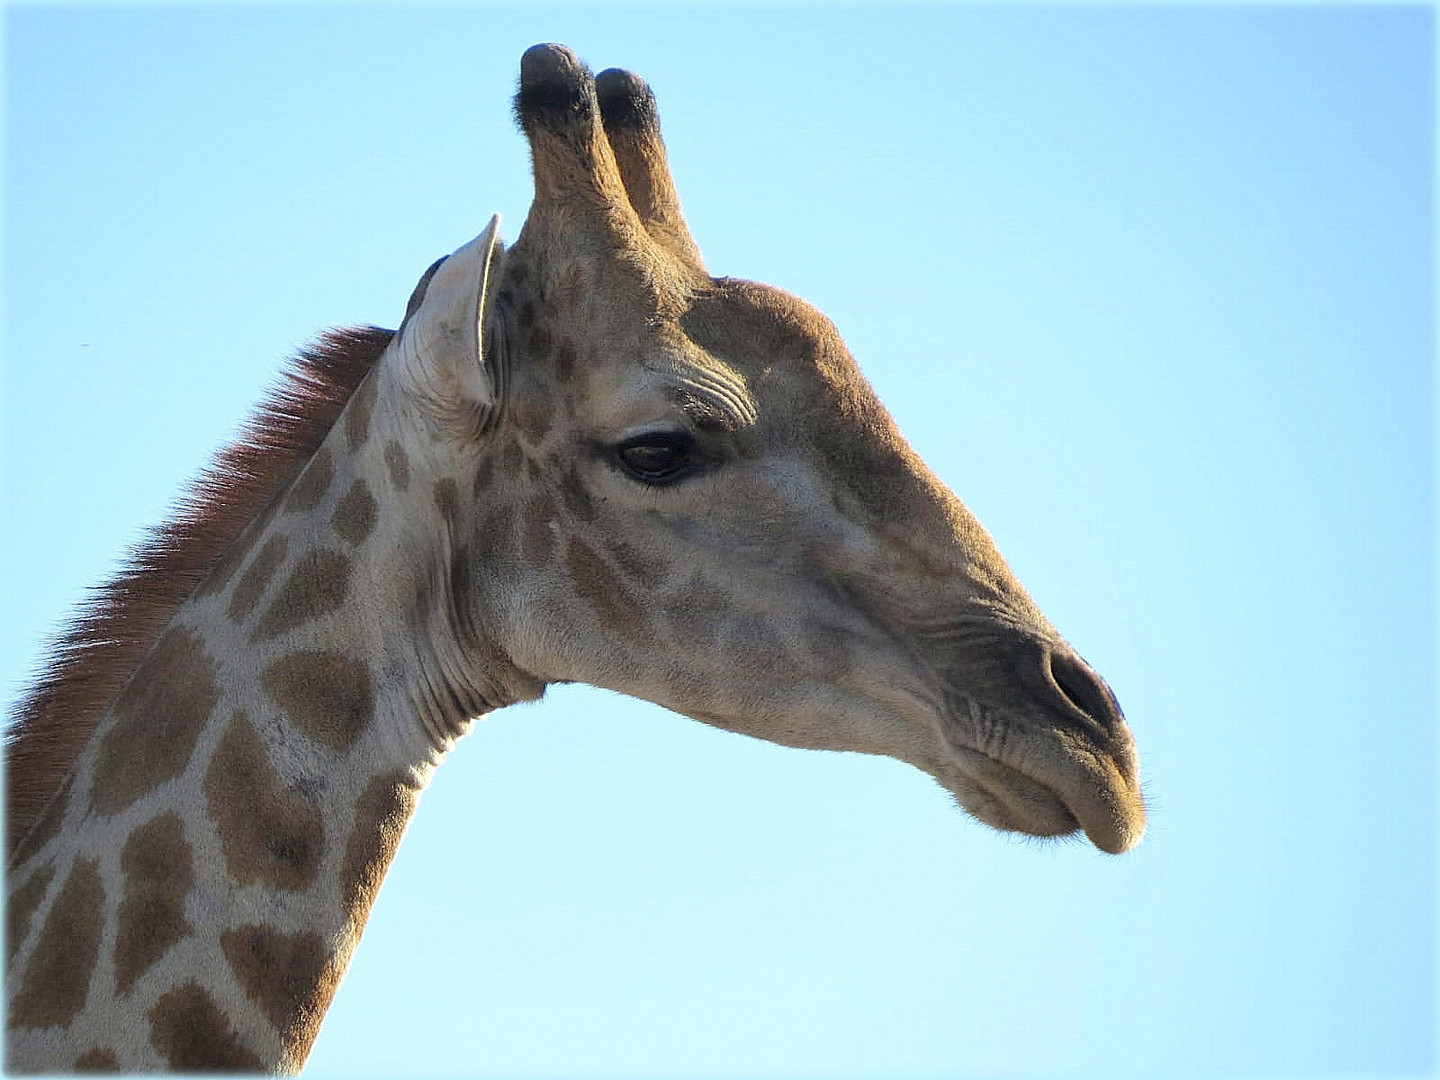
1043	747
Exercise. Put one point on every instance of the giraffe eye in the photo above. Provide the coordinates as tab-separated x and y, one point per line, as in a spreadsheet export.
657	458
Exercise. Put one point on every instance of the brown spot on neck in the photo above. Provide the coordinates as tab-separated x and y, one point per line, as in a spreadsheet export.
291	977
192	1034
355	516
117	627
317	585
47	827
98	1059
484	476
158	875
398	465
57	978
357	415
269	834
234	557
307	492
381	814
329	697
20	908
565	362
157	719
447	502
256	577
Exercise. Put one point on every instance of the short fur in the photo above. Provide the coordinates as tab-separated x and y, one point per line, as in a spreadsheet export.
92	659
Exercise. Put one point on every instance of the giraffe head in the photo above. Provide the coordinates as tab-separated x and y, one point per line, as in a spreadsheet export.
682	488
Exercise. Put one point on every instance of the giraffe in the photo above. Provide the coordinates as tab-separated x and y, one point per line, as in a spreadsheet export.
581	458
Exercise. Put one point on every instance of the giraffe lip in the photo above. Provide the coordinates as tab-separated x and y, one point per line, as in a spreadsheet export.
1083	790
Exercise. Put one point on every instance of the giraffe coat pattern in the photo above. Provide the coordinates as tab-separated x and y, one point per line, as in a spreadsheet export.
581	458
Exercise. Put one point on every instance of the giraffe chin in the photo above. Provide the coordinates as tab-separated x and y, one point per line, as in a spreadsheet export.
1086	793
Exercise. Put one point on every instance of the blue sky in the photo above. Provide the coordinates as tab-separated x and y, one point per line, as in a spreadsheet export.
1150	286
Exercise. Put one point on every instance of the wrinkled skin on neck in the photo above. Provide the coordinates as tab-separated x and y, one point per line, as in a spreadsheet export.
684	489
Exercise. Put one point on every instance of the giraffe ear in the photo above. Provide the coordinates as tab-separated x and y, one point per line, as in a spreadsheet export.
441	343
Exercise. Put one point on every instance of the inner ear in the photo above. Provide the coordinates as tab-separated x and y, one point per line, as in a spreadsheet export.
442	348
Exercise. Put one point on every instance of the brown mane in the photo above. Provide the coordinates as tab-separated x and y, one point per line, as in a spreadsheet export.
90	661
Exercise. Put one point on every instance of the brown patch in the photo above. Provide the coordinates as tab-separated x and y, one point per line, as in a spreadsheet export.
422	603
97	1059
462	593
357	416
228	565
577	499
268	833
192	1034
256	577
830	652
57	978
381	814
224	570
538	538
639	567
328	696
21	909
532	417
48	826
693	612
158	717
312	485
597	584
447	501
511	457
565	362
494	540
484	475
355	516
98	652
317	586
156	861
541	344
527	314
398	464
289	976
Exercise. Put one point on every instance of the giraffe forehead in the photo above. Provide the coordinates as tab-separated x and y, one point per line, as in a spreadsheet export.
633	387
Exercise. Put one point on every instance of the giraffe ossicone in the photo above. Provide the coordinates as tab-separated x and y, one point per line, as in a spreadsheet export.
581	458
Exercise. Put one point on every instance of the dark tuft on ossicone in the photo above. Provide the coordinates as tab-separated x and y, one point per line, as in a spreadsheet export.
556	88
626	102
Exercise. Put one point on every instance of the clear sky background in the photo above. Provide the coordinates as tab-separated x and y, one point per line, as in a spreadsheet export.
1150	287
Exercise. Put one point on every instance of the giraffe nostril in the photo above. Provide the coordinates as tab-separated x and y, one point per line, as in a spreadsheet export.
1082	689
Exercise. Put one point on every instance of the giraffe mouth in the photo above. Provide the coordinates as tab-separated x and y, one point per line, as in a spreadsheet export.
1059	793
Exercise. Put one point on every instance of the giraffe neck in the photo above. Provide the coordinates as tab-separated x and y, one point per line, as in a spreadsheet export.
194	892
